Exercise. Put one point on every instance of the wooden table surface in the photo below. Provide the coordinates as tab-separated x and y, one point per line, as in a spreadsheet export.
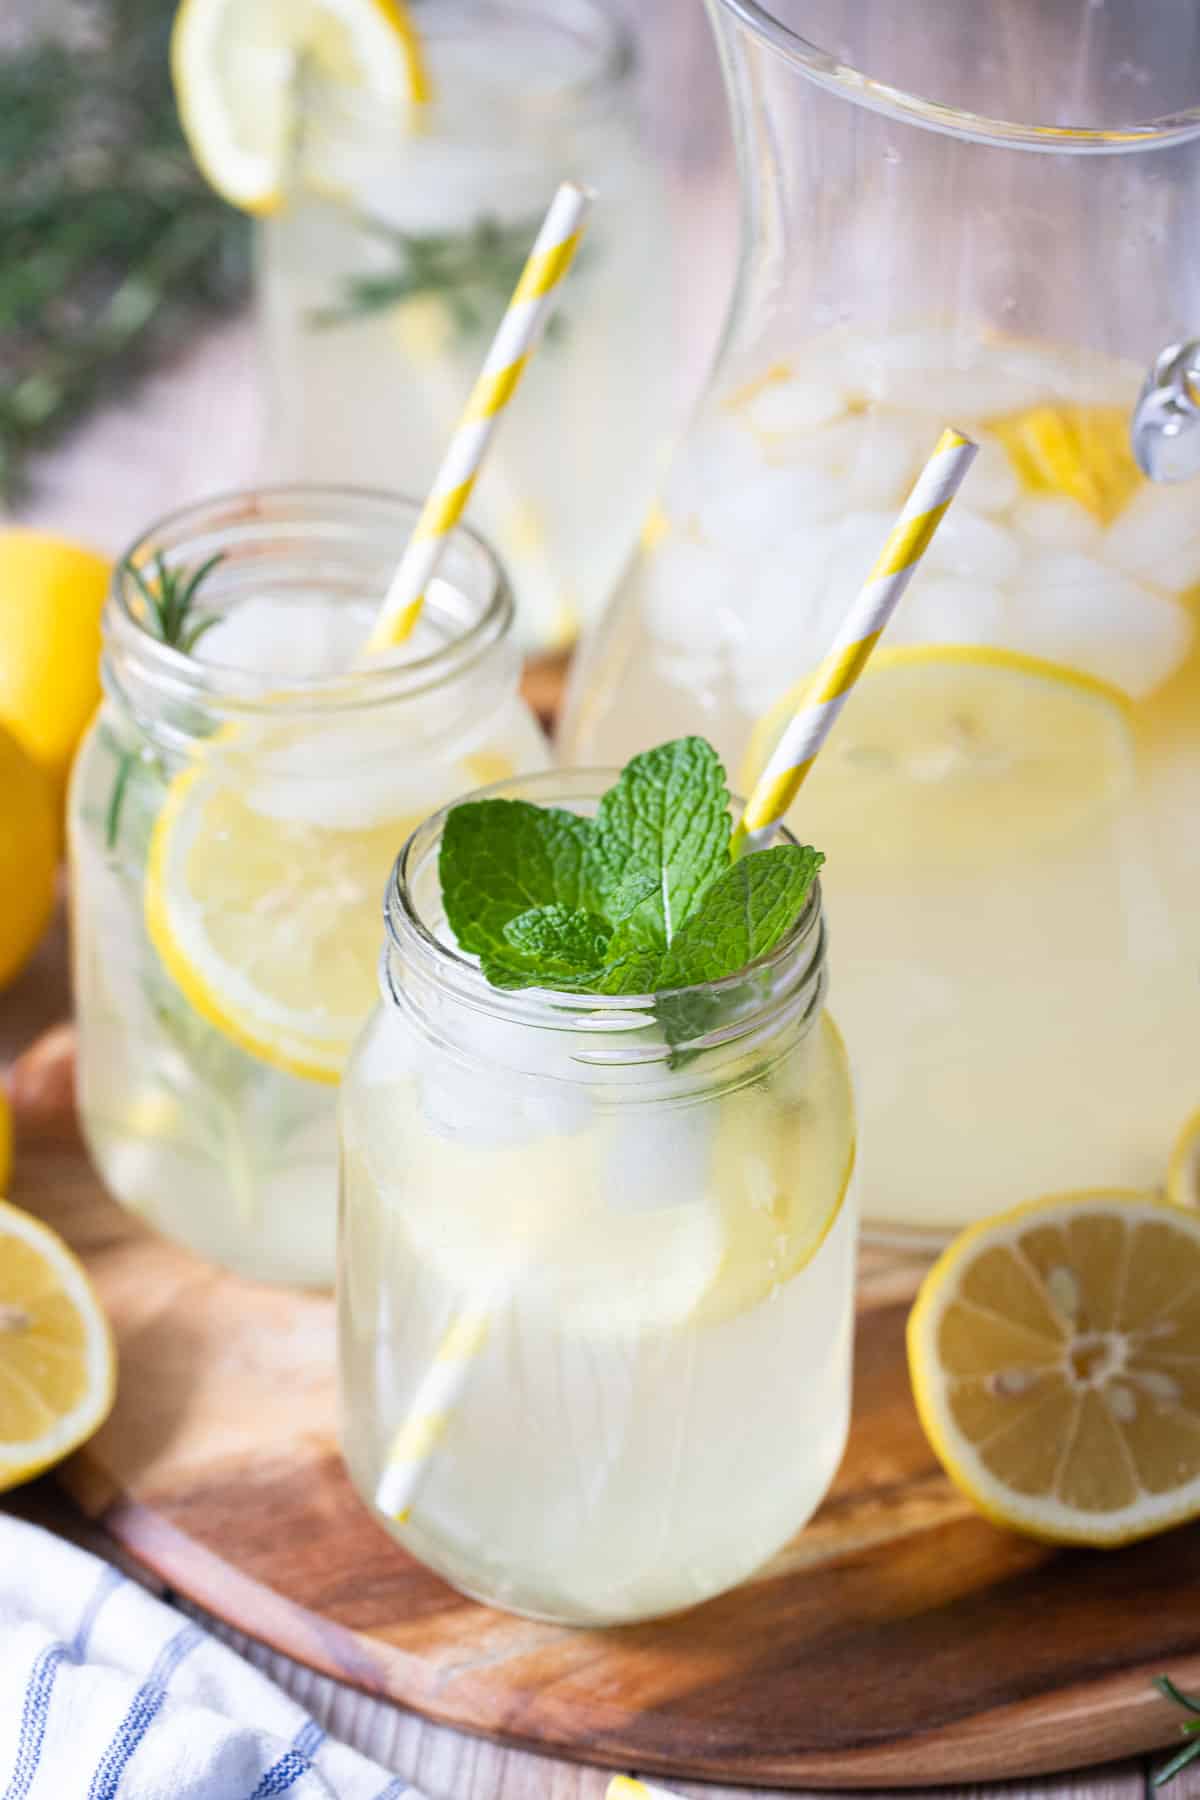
445	1764
107	482
195	429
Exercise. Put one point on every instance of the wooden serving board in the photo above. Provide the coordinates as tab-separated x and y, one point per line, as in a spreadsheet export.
899	1641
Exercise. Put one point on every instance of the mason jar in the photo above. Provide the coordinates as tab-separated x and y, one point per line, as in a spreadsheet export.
235	810
596	1266
387	267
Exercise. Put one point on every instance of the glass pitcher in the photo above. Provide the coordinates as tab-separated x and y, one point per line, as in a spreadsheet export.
981	219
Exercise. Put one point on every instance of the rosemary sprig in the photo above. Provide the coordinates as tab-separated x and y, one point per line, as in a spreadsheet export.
1191	1729
472	272
169	601
115	249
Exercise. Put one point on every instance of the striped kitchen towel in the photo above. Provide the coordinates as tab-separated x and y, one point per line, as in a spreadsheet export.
107	1694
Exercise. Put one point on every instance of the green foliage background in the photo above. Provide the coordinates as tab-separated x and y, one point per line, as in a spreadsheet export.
113	249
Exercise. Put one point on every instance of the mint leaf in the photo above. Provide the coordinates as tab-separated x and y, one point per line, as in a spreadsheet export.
745	913
663	830
501	858
556	934
629	969
549	946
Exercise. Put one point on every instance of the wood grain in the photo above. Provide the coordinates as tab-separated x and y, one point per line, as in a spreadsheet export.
901	1640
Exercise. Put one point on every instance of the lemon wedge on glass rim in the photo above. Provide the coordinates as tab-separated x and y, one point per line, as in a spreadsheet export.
1055	1360
57	1365
234	64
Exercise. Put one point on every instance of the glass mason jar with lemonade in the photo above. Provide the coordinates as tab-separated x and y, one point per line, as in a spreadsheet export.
235	810
386	264
982	217
624	1216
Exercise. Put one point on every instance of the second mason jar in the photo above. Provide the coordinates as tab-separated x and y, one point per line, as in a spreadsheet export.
595	1288
398	242
235	810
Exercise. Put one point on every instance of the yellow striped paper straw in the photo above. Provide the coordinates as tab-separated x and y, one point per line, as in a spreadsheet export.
826	692
628	1787
430	1412
533	299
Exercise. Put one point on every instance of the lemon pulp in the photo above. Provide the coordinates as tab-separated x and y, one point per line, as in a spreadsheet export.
1055	1359
57	1368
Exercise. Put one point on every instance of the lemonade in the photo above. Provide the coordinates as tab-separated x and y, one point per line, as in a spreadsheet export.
235	810
387	267
644	1248
1009	802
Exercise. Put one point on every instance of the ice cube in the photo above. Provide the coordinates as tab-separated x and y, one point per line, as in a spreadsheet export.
787	409
1157	537
969	545
1051	522
992	485
285	637
886	459
945	373
790	614
720	456
655	1159
856	542
748	519
1075	611
691	594
940	609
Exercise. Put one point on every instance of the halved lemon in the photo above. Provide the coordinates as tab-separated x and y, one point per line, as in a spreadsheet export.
1183	1170
234	64
1055	1361
57	1365
957	755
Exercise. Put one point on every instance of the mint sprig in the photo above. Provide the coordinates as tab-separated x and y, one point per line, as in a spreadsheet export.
644	899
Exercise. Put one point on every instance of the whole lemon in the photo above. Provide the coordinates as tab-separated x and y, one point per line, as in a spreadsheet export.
51	595
28	854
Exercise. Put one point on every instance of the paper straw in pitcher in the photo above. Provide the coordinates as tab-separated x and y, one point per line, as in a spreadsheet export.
533	299
826	692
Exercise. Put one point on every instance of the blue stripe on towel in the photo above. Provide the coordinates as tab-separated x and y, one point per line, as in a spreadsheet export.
280	1776
33	1719
107	1585
144	1708
308	1740
393	1790
295	1761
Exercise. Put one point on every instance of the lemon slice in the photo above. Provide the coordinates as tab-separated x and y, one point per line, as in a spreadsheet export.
782	1175
270	922
957	756
1055	1360
235	63
1183	1171
1082	452
57	1367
